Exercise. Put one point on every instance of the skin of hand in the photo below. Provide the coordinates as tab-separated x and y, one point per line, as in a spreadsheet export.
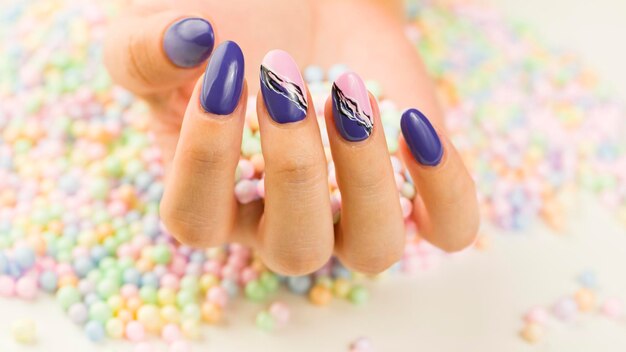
293	231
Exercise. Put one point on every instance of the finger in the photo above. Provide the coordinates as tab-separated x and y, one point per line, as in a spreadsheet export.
155	52
296	234
447	213
370	233
198	206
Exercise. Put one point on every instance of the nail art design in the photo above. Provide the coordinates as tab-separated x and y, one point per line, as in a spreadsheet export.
352	111
189	42
282	88
421	138
223	80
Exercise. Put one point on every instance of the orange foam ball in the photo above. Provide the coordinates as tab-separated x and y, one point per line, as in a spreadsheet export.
320	295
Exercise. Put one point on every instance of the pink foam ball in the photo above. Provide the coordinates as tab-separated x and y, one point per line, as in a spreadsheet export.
129	290
135	331
143	347
180	346
246	169
212	267
217	295
230	272
280	312
170	281
248	274
26	287
361	344
536	315
171	333
178	265
399	180
64	269
7	286
613	308
407	207
237	260
245	191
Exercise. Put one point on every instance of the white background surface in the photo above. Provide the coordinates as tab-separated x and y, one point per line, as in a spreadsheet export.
472	302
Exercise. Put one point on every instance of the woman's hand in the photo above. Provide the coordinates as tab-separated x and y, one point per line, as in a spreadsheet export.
158	51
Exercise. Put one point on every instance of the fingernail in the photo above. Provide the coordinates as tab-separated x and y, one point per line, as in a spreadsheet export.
189	42
282	87
223	79
352	111
421	137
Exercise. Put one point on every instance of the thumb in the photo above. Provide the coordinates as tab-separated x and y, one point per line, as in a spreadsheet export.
157	52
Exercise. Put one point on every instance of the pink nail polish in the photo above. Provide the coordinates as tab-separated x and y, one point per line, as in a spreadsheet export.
351	107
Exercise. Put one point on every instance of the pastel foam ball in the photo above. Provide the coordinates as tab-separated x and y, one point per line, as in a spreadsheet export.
24	257
299	284
180	346
586	299
361	344
148	315
265	321
532	332
26	287
67	295
100	311
134	331
565	308
320	295
191	329
78	313
115	328
48	281
7	286
211	312
171	333
94	331
280	312
536	315
24	331
613	308
358	295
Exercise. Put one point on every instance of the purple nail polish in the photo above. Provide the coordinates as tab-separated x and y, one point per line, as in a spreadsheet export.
189	42
421	137
223	79
352	111
282	88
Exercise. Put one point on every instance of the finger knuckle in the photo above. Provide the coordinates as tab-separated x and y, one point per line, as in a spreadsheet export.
300	169
205	159
138	58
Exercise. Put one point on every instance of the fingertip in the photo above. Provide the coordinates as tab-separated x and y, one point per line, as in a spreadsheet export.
188	41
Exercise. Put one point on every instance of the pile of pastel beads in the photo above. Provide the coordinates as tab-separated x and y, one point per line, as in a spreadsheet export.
532	124
80	177
569	308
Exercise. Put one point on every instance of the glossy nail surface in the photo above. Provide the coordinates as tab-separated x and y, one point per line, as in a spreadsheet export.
223	79
421	137
282	88
352	111
189	42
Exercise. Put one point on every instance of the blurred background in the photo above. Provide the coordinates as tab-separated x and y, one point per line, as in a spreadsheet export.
534	93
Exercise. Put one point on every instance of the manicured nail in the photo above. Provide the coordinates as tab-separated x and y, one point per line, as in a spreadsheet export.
421	137
283	87
189	42
351	107
223	79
